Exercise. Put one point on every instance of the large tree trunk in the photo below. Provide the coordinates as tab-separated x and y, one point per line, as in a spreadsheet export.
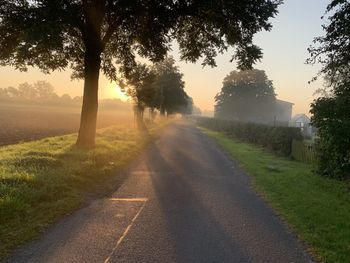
87	130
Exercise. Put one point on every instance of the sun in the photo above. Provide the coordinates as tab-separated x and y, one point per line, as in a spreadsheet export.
116	92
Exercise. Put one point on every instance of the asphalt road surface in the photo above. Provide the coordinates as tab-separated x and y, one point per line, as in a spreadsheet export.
184	200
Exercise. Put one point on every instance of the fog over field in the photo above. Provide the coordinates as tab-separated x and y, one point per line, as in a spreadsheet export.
31	112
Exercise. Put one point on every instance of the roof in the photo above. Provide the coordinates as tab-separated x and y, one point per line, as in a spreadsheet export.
284	102
299	117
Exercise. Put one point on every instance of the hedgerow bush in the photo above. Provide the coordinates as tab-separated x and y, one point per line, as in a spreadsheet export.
331	116
277	139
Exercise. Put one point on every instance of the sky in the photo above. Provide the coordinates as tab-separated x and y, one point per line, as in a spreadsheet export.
285	52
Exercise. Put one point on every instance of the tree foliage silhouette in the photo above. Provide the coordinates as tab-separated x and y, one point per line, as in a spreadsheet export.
332	49
139	86
159	86
169	84
246	96
93	35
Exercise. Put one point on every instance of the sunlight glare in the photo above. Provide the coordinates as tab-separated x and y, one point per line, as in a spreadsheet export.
116	92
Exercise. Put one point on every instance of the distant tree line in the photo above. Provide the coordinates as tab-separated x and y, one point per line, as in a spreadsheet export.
40	90
43	93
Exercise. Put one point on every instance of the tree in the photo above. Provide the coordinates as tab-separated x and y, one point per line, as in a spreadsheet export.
331	116
196	110
331	111
12	92
169	83
332	49
4	95
93	35
188	108
160	86
27	92
44	90
139	85
66	97
246	96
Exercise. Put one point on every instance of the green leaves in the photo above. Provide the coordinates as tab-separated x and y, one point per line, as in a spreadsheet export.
277	139
55	34
158	87
35	34
332	49
331	118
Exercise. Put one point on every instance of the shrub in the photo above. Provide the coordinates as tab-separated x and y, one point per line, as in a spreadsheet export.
277	139
331	116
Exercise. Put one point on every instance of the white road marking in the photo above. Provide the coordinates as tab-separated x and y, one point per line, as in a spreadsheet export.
129	199
144	200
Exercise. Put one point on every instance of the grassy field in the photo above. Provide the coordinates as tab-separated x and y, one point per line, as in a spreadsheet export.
316	208
43	180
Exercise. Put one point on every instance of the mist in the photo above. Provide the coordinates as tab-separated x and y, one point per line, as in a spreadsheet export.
35	111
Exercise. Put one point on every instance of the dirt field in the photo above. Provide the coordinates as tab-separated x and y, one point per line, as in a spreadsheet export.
20	123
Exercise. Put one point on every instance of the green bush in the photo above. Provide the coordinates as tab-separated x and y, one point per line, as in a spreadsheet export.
331	116
277	139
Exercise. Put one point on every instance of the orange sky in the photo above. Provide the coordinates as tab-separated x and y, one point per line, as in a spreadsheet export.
285	52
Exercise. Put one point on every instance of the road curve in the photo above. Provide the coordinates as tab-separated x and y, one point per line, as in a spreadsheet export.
184	201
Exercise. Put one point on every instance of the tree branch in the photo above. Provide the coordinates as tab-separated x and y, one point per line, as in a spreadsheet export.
109	33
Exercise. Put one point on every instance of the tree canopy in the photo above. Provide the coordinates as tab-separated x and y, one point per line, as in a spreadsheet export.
159	86
139	86
55	34
169	83
332	49
93	35
246	96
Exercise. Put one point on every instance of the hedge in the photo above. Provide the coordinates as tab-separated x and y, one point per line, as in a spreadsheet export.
277	139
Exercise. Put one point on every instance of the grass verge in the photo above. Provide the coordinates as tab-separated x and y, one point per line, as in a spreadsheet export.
43	180
316	208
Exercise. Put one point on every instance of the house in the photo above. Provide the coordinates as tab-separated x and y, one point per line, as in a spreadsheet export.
300	120
303	122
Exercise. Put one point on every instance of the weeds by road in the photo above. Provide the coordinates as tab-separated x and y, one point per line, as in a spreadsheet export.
317	208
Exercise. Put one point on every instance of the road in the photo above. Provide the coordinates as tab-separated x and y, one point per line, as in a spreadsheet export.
184	200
